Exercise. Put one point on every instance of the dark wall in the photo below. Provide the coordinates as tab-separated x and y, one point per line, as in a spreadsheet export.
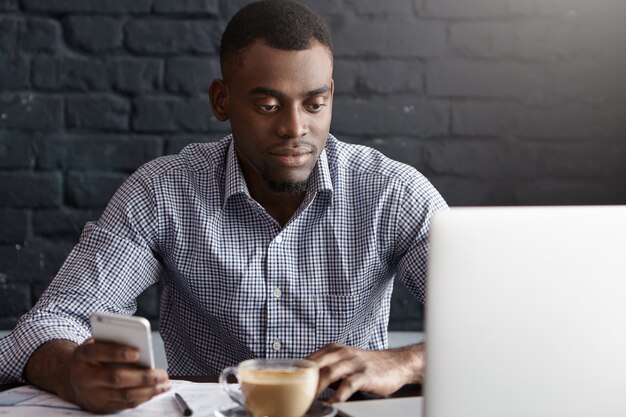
496	101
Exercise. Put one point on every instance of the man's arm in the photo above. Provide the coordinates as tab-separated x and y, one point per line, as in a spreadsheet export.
82	374
379	372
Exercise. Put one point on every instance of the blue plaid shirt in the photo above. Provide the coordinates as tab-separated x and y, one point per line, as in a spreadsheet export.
235	284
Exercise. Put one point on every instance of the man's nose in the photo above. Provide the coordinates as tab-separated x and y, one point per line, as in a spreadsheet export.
292	123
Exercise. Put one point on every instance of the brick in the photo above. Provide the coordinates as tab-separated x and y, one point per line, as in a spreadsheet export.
229	8
148	302
16	299
558	8
92	189
191	75
31	112
97	6
98	111
125	74
490	159
131	75
465	9
572	120
391	115
322	7
65	73
17	151
543	120
458	78
166	114
570	192
407	150
62	223
187	6
33	34
174	144
377	7
13	225
539	39
378	76
513	160
148	36
29	189
458	191
14	72
34	261
590	78
392	37
95	33
588	159
407	313
484	118
590	36
9	5
99	152
483	39
8	322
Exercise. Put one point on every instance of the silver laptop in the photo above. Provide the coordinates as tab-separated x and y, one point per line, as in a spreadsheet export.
526	313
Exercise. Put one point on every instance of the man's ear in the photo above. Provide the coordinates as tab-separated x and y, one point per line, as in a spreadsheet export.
218	95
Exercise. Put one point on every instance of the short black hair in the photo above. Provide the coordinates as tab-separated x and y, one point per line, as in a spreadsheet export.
282	24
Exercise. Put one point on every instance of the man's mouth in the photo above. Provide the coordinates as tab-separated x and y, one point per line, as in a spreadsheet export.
291	157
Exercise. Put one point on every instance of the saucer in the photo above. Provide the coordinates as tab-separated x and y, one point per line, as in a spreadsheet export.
318	409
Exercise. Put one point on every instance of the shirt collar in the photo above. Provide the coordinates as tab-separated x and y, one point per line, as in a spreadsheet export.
235	183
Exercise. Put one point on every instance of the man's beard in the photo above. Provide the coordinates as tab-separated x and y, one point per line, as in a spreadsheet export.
282	187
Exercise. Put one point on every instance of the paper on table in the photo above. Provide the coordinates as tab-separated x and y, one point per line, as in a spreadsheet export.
203	398
397	407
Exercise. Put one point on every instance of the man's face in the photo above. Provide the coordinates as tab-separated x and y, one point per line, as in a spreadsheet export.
279	104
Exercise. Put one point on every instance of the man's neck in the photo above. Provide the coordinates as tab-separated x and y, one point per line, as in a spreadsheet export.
281	206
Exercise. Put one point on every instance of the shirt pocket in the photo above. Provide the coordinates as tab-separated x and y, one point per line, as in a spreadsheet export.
344	319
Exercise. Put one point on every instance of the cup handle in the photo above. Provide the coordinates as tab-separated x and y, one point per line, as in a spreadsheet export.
226	387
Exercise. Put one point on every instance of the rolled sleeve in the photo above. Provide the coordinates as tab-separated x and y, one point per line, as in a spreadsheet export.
105	271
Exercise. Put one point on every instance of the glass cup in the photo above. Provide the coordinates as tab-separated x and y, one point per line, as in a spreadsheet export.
273	387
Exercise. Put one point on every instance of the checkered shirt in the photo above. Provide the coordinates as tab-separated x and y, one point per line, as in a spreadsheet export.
235	284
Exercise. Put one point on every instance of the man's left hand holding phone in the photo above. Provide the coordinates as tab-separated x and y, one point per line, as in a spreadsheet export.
110	372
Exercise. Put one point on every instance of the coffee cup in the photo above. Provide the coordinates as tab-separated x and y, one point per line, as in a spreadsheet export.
273	387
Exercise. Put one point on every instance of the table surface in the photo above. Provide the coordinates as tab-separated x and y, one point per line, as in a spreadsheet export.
410	390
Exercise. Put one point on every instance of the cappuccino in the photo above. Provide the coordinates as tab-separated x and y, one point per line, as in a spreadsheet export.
274	387
278	392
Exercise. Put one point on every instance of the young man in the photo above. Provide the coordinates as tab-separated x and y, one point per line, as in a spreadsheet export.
277	241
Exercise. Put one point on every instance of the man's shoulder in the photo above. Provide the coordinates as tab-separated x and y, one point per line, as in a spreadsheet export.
193	158
354	159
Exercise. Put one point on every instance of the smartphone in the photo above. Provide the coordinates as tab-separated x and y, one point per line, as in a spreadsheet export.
125	330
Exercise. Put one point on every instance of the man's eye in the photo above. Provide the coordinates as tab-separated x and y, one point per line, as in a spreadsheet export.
267	108
316	106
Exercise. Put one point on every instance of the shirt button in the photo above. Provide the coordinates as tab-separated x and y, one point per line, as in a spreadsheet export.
278	239
277	293
276	345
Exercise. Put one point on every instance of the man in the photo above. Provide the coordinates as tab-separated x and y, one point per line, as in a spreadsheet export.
277	241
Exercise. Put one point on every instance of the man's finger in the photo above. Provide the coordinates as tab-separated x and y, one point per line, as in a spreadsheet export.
331	354
129	377
348	386
97	353
338	371
117	400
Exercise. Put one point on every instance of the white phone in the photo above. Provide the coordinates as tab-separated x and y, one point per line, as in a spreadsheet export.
125	330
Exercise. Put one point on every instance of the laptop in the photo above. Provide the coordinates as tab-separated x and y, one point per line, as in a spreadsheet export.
526	312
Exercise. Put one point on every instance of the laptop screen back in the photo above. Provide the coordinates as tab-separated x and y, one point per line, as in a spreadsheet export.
526	312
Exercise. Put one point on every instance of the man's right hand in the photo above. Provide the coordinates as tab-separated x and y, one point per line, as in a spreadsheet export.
93	375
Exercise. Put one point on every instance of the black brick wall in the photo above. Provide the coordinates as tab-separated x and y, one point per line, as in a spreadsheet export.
496	101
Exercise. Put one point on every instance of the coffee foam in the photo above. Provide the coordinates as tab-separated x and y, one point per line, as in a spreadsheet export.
290	375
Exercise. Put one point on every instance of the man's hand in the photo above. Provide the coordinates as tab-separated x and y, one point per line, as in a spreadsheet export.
379	372
84	375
